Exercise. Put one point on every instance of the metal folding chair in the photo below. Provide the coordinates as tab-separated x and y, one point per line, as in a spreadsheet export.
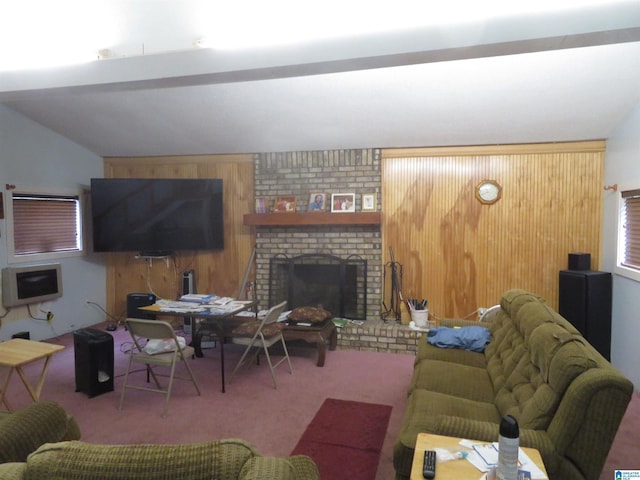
156	330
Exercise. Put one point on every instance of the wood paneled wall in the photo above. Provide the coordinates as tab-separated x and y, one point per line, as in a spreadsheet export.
461	254
221	271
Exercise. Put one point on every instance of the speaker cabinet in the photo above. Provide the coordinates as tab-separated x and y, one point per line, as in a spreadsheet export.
579	261
136	300
585	300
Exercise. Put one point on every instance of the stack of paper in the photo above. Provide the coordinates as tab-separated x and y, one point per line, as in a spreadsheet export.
484	456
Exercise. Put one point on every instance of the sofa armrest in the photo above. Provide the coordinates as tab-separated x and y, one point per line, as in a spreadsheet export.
12	470
272	468
27	429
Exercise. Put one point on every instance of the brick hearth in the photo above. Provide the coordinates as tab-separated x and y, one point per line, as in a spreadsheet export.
378	336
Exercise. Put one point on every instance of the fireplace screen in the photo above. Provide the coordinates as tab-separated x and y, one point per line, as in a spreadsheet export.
338	285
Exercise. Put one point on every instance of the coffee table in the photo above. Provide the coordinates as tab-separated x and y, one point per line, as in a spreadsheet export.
315	333
454	469
16	353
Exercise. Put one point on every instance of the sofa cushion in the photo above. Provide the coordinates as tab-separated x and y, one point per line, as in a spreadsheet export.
451	355
553	358
454	379
425	412
309	314
514	299
215	460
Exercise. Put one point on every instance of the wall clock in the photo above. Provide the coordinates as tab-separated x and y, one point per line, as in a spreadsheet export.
488	192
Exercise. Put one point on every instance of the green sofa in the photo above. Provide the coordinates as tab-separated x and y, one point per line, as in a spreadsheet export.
568	399
40	442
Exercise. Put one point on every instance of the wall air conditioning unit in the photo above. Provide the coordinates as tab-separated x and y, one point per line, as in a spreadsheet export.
32	284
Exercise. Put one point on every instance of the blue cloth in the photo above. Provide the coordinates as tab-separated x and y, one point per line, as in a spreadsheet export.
468	338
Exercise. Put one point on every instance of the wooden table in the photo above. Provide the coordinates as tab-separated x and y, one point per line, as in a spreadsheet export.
318	334
18	352
454	469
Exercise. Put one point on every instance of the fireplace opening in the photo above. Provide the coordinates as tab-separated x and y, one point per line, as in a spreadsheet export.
338	285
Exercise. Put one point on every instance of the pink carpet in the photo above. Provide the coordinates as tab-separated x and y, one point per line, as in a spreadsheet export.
251	409
345	439
273	420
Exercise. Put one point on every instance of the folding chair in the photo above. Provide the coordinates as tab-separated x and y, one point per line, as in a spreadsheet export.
156	330
262	334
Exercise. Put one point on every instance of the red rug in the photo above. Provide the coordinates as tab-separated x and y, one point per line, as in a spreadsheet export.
345	439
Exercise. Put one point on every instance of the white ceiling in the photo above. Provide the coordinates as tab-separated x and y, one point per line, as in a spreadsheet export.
563	77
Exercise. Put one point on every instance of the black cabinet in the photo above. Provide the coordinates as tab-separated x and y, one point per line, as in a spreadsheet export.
93	351
585	300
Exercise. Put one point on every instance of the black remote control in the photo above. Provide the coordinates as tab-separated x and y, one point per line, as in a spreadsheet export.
429	464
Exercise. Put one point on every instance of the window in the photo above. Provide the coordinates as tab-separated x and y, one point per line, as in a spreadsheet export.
42	225
628	263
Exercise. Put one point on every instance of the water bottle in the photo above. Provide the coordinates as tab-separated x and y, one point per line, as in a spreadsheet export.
509	442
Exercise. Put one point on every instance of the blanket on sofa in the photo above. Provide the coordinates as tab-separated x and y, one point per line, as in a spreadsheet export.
468	338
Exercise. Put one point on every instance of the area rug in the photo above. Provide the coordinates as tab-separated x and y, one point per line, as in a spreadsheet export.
345	439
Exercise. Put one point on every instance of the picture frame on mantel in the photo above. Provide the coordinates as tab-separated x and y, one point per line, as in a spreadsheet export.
317	202
262	205
343	202
286	204
368	202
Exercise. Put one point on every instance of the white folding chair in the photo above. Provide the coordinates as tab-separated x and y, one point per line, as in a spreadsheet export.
262	334
156	330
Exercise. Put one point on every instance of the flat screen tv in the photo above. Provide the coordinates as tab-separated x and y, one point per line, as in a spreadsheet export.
156	216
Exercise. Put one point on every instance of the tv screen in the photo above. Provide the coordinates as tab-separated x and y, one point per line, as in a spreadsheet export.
156	216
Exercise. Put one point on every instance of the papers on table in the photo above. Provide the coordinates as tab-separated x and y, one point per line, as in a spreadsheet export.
181	306
197	297
484	456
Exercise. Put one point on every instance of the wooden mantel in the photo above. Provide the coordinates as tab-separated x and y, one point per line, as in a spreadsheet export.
312	218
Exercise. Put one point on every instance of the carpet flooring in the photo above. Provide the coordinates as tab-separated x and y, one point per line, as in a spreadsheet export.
345	439
272	420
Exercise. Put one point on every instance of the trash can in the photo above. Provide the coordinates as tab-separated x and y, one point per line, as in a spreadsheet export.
94	361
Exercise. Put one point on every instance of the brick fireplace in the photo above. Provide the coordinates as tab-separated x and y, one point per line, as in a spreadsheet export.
302	173
335	171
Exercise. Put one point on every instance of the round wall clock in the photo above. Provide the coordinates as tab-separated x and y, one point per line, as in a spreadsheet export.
488	191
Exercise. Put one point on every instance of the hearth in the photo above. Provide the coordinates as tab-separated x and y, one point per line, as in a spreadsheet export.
337	284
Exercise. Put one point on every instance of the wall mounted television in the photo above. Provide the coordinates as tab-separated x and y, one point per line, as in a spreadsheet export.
156	217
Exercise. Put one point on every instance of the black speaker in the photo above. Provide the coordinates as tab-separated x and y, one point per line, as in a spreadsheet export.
135	300
579	261
585	300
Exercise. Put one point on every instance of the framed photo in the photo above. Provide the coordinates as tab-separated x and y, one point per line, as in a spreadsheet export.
261	205
285	204
368	202
343	202
317	202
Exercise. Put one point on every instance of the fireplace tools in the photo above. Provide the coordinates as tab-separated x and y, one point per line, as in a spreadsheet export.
394	269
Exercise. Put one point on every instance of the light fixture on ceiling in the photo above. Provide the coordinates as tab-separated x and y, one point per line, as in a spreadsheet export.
104	53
